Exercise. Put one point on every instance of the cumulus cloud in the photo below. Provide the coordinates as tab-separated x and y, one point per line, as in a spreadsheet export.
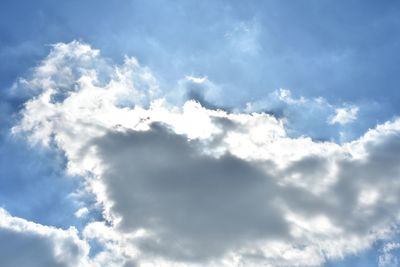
188	185
25	243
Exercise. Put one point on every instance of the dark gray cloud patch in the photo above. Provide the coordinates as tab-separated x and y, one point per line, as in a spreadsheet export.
198	205
32	250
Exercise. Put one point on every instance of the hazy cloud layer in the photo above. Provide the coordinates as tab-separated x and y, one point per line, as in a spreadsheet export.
187	184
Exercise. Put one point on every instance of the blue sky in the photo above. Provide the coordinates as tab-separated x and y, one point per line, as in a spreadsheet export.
319	77
344	52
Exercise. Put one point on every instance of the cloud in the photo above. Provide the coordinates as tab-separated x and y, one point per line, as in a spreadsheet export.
191	185
24	243
388	258
344	115
197	206
195	88
314	117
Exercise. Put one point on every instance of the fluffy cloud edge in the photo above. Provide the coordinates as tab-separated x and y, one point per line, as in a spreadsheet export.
28	243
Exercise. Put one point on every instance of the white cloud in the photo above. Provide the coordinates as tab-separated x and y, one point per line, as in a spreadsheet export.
118	250
344	115
82	212
388	258
196	79
24	243
193	186
302	115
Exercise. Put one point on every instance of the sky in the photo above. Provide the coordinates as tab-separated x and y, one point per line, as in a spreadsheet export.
199	133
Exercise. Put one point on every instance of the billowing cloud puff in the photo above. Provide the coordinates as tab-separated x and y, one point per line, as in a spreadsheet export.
194	186
25	243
